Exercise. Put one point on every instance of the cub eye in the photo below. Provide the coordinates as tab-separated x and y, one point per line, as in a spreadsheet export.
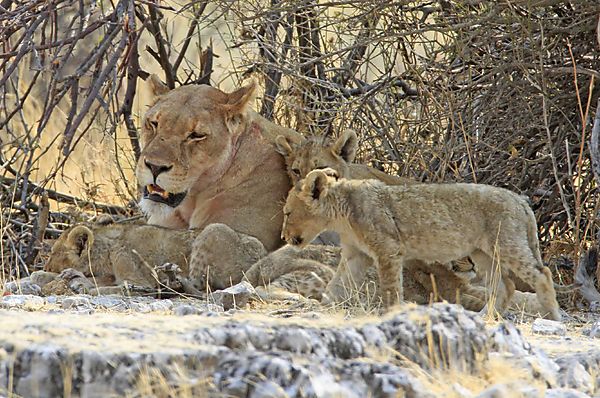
194	136
296	171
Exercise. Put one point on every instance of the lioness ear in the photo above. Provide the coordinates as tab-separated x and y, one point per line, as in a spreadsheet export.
80	237
283	146
157	87
345	145
240	98
315	184
235	108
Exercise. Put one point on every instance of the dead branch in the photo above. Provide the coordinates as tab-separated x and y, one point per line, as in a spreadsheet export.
585	275
595	144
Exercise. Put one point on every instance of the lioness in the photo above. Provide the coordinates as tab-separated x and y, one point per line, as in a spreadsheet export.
427	222
208	158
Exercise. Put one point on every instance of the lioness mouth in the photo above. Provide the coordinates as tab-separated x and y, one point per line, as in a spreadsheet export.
156	194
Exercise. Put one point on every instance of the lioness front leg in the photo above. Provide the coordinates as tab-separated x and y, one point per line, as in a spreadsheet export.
220	257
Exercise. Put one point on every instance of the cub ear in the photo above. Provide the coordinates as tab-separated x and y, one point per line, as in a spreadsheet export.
80	237
329	172
345	146
283	146
157	87
316	184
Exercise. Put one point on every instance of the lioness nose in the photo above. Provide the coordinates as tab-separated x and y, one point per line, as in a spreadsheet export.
157	169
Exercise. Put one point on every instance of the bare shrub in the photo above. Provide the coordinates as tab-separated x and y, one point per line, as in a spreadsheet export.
492	92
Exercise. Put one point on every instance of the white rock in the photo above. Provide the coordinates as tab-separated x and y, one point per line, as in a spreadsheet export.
517	389
23	286
575	376
595	330
564	393
76	302
109	302
186	309
42	278
22	301
548	327
140	307
236	296
161	305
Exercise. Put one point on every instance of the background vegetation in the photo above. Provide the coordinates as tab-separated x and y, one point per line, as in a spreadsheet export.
496	92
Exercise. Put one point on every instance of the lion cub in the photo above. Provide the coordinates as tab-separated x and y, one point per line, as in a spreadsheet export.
320	152
115	253
427	222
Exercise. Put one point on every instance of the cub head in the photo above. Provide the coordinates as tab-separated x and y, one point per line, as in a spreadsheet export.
188	138
303	215
71	250
318	153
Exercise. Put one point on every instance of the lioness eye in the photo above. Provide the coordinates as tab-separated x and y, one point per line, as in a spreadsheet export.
296	171
196	136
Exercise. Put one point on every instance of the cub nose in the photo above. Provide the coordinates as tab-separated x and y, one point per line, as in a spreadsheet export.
156	170
296	240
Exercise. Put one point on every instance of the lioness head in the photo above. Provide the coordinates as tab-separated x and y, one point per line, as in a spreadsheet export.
71	250
189	138
304	216
318	153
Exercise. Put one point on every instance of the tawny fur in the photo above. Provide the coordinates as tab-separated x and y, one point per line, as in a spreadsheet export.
429	222
301	157
352	276
210	145
114	253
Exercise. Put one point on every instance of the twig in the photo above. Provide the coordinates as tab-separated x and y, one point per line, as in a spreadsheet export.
595	145
39	229
65	198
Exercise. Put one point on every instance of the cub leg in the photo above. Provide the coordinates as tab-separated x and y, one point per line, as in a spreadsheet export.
349	275
389	268
524	263
132	268
220	257
307	278
500	288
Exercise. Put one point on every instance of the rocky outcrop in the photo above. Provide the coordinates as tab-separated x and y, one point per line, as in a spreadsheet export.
109	354
85	346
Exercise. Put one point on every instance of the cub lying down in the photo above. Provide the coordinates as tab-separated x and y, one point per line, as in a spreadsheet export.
428	222
116	253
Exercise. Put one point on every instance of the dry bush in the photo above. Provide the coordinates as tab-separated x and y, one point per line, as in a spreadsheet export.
486	91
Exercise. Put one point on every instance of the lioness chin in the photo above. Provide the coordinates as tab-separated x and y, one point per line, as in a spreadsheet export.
428	222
